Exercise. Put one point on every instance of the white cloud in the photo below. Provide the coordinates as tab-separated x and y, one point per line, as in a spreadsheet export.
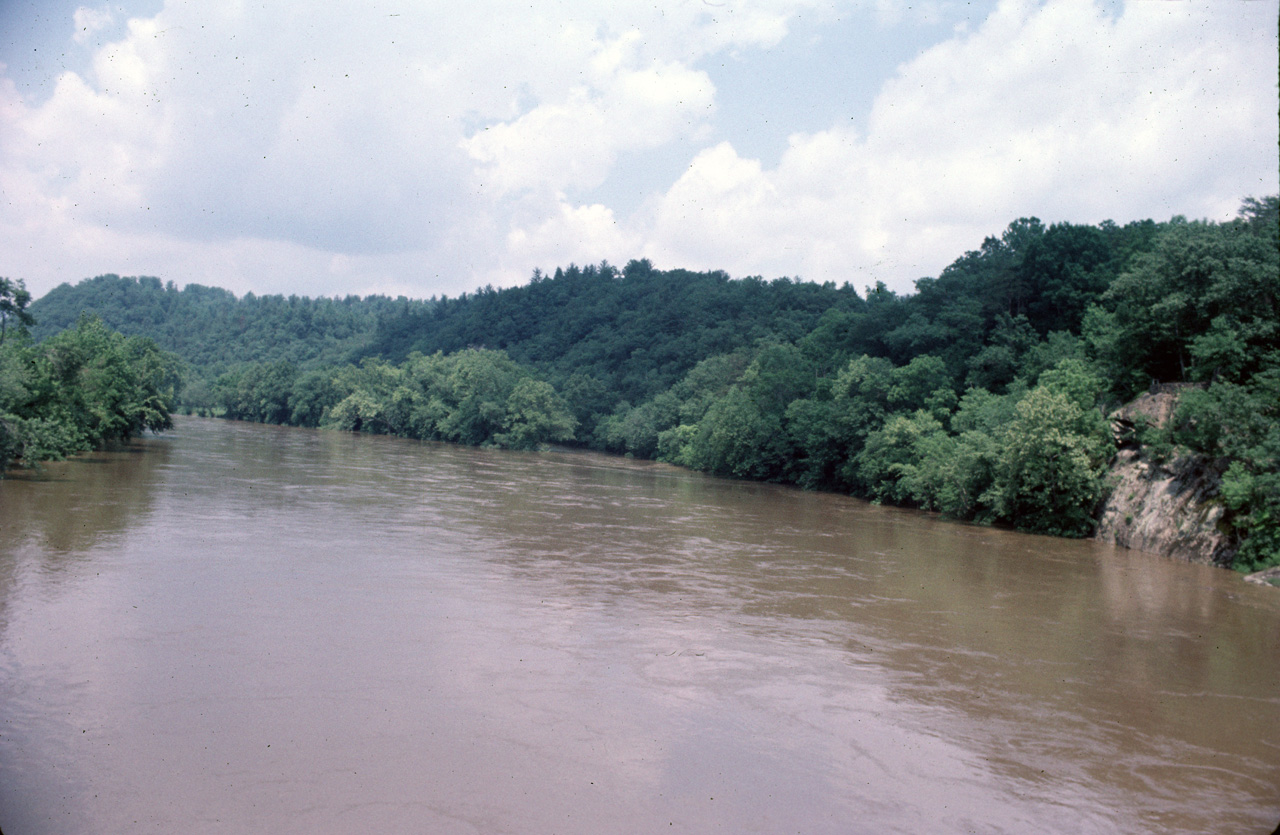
574	142
1057	109
582	235
88	21
352	146
349	127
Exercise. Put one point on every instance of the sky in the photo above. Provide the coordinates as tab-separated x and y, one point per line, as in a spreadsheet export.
407	147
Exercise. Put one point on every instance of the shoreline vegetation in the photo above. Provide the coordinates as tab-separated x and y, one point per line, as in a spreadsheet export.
81	389
984	395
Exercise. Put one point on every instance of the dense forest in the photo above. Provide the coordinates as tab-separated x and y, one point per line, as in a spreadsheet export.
78	389
981	395
212	330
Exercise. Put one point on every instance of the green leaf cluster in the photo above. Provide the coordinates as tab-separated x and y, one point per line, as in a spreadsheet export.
79	389
473	396
1238	424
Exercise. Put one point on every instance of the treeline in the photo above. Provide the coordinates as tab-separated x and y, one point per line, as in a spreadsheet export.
473	396
633	332
213	330
79	389
981	395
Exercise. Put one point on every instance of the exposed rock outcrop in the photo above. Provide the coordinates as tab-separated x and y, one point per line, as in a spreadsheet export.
1169	507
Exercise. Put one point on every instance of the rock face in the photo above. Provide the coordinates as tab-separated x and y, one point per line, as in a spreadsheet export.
1168	508
1157	407
1165	508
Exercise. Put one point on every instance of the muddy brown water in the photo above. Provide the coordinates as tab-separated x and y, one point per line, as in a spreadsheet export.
239	628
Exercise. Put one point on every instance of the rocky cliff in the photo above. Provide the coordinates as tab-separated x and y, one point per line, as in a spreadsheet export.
1167	507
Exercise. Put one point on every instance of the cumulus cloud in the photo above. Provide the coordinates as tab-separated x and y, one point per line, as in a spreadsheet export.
88	21
574	234
348	127
357	147
1059	110
573	142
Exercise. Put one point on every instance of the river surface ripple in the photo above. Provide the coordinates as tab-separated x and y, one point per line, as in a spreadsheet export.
239	628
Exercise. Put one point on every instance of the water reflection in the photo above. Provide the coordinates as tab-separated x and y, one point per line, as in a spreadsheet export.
50	517
314	631
67	506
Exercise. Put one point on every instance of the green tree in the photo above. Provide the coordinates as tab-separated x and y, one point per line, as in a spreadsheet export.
1083	387
1239	423
737	438
258	392
635	430
1202	305
1064	270
313	393
923	383
81	388
906	460
1049	478
14	299
535	415
476	389
820	444
377	401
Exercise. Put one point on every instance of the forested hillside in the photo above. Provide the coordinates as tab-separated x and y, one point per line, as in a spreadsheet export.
212	330
981	395
636	331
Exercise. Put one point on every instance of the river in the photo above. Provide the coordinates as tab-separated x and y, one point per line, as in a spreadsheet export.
242	628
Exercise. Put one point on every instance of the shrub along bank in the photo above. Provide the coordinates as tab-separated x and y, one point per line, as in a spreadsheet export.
78	390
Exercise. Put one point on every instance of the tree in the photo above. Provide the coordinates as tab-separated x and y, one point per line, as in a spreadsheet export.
634	430
80	388
1261	216
535	415
819	446
1203	305
1064	270
736	438
1241	424
14	299
1049	478
923	383
905	461
259	392
476	388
